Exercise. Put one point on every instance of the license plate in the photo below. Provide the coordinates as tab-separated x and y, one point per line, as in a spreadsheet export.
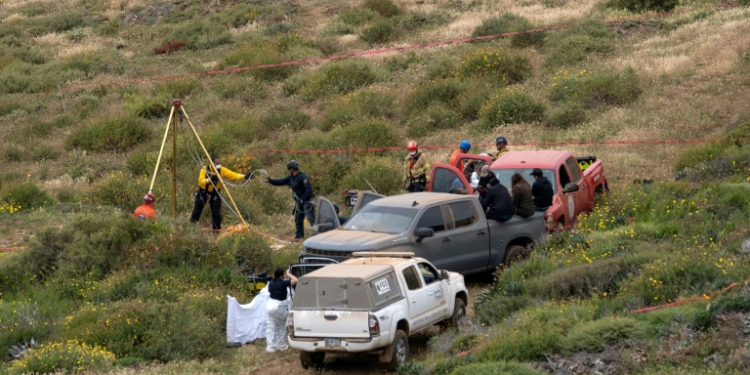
333	342
353	201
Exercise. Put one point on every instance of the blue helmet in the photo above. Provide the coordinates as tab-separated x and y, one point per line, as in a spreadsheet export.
465	145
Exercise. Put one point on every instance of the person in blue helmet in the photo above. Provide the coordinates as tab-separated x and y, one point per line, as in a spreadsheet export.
463	148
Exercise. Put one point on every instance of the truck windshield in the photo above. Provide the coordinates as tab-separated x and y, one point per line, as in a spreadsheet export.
382	219
504	176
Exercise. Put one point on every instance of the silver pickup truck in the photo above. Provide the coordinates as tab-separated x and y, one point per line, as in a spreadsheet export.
449	230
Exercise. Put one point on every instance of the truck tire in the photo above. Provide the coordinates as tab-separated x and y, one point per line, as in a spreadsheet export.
513	254
400	347
311	359
459	313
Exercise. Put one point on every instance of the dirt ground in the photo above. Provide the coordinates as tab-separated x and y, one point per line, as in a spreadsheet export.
339	364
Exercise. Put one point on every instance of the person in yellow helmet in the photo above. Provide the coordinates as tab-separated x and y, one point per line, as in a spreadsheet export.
416	169
209	189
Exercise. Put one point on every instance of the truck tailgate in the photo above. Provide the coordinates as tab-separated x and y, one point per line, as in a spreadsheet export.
331	323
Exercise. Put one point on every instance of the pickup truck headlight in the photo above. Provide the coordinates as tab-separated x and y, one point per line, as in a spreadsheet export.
374	325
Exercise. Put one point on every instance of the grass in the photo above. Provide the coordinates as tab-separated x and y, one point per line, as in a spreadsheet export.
92	152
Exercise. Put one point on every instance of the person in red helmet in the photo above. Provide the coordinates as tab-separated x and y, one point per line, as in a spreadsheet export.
147	210
416	169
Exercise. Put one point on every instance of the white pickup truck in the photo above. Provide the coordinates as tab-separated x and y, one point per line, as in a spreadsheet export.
372	303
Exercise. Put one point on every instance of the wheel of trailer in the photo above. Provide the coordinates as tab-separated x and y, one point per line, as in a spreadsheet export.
311	359
513	254
400	350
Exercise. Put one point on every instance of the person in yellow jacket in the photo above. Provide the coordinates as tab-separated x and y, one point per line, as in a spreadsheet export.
209	188
416	169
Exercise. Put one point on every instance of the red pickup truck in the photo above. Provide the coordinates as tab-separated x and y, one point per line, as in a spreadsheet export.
575	180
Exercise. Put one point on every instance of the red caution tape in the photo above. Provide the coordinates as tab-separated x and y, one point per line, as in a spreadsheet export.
682	302
348	55
8	249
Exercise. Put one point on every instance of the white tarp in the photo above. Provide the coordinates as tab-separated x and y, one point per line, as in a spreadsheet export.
247	323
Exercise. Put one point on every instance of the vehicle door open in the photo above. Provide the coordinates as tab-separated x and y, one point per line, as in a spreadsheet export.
363	198
445	178
325	216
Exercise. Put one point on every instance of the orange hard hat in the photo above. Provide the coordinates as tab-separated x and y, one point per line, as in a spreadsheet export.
412	146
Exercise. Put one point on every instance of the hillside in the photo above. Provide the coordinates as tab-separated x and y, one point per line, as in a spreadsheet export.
127	296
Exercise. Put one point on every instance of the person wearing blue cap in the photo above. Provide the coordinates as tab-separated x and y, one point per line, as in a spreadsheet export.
463	148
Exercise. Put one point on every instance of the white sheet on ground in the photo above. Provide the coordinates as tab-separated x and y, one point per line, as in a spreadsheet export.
247	323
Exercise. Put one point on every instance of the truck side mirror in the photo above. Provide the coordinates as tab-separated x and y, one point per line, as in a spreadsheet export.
570	187
324	227
423	233
444	275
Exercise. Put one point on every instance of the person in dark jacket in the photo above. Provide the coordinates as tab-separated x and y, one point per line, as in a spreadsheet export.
541	191
485	175
523	201
277	309
498	204
304	199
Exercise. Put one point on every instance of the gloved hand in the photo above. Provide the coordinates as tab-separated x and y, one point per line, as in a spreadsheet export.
248	175
268	179
214	178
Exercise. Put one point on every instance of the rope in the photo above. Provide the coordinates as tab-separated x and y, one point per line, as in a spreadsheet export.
161	150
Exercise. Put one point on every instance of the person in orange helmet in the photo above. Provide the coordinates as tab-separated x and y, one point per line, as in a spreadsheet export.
416	169
146	211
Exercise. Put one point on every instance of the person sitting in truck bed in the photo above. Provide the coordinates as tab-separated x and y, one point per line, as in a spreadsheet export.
541	191
523	202
498	204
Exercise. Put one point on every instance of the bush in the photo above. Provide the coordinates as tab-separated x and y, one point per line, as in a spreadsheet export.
386	8
149	107
365	134
202	34
566	115
731	304
37	130
178	88
496	309
291	119
444	92
338	28
119	190
142	164
382	174
13	154
497	368
237	87
70	356
58	23
356	105
597	335
508	22
341	77
510	106
644	5
435	117
27	195
573	45
380	32
496	65
43	153
117	134
250	251
259	55
597	89
246	130
418	20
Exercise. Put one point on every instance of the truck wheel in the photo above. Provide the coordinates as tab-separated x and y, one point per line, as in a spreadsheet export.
459	313
400	350
513	254
311	359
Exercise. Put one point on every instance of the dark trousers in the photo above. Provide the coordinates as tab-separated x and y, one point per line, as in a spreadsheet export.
540	209
302	210
201	198
415	187
500	218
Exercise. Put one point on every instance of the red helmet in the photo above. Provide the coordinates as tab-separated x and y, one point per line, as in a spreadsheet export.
412	146
149	198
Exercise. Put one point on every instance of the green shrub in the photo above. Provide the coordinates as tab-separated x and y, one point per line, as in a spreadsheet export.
565	115
380	174
573	45
109	28
508	22
71	356
435	117
117	134
597	89
250	251
496	65
119	190
497	368
731	304
386	8
178	88
13	153
149	107
414	21
259	55
58	23
37	130
216	143
246	130
495	310
695	156
644	5
341	77
44	153
444	92
27	195
287	118
87	65
380	32
338	28
530	344
364	134
597	335
142	163
236	87
358	16
202	34
510	106
355	105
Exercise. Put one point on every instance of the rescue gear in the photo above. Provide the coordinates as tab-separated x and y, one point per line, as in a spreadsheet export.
144	212
412	146
465	145
292	164
149	198
304	198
